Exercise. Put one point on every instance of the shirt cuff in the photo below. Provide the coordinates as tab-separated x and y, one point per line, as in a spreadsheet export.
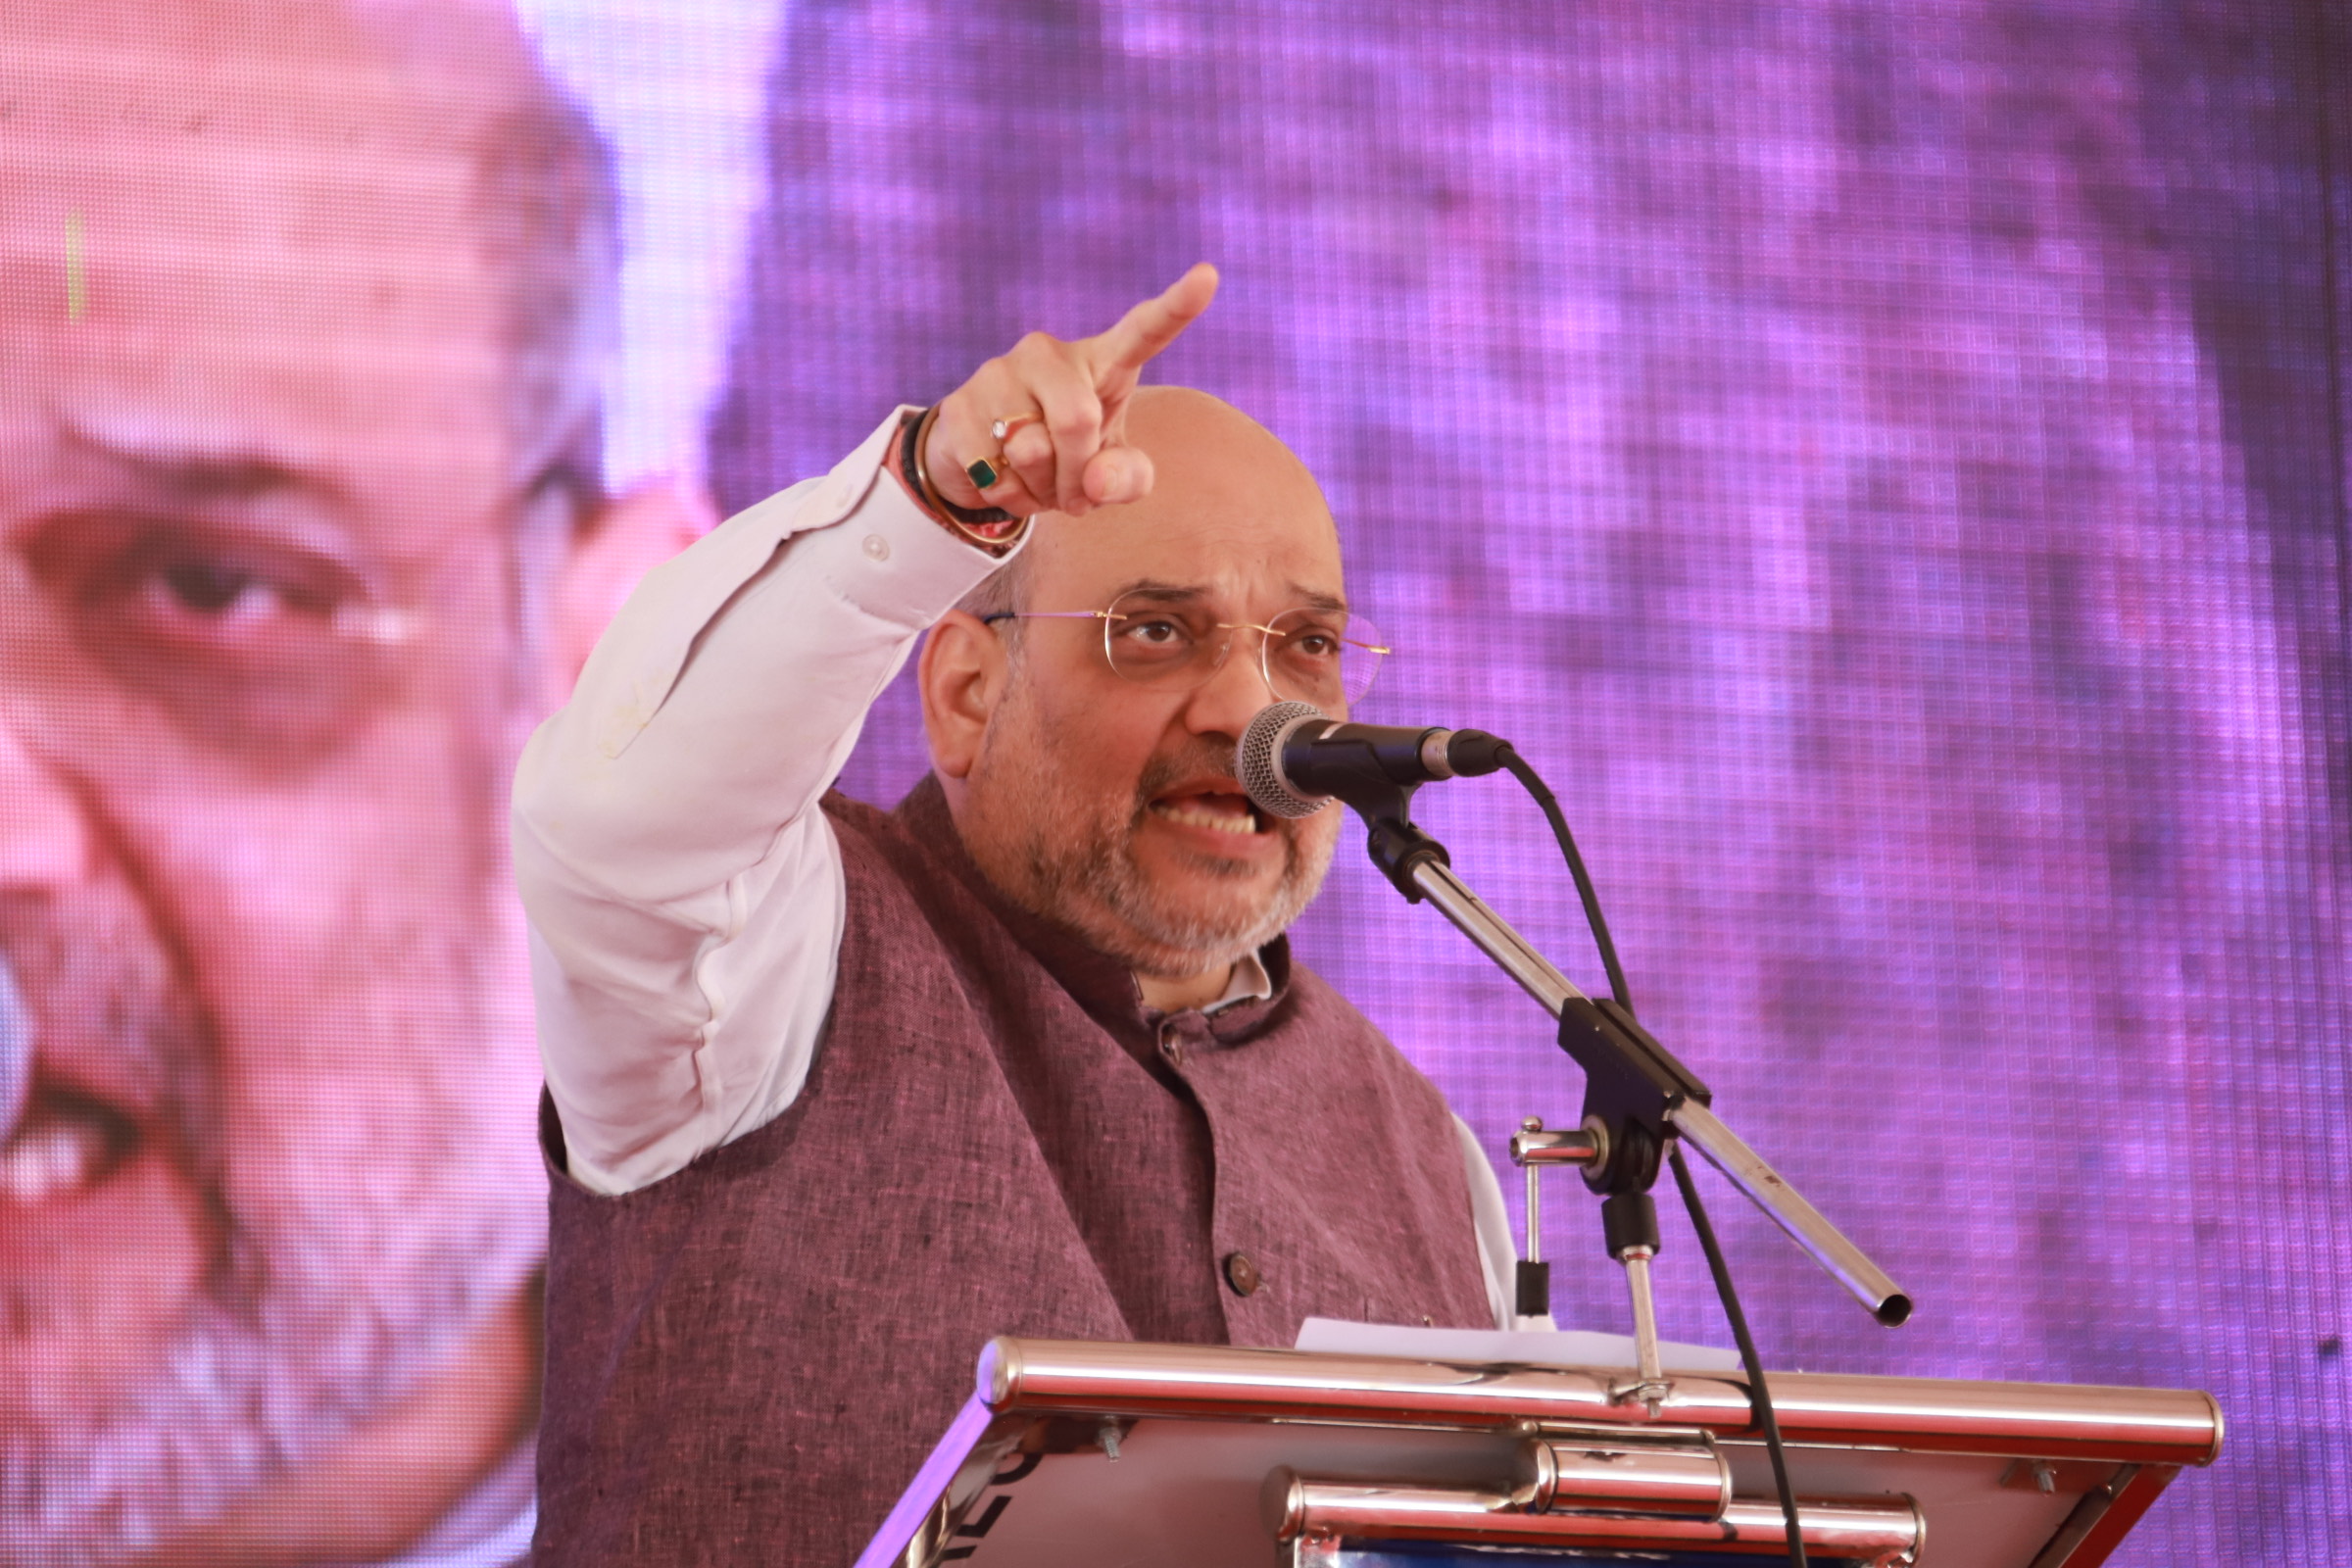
891	558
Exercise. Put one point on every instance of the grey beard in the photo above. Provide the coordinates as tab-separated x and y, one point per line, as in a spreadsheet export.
1160	942
1078	860
314	1318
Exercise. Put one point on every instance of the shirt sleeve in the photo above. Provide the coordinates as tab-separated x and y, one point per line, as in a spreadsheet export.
684	891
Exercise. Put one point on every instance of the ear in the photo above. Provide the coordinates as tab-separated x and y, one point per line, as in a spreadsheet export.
628	537
962	675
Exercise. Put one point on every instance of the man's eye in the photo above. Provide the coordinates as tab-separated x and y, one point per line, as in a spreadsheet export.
207	587
263	604
1157	633
246	642
1314	644
221	589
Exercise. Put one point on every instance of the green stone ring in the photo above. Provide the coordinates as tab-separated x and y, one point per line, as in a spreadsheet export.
982	472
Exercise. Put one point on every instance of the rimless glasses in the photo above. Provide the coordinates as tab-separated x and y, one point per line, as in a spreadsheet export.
1169	637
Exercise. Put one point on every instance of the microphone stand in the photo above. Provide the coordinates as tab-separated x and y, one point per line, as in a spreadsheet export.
1636	1094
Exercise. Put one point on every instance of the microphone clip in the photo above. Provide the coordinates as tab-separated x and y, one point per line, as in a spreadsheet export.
1397	847
1633	1087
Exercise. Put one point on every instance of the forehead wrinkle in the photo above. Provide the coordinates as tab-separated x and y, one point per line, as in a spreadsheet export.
1160	590
365	130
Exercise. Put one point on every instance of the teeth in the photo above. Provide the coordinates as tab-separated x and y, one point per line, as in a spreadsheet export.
1241	822
50	1155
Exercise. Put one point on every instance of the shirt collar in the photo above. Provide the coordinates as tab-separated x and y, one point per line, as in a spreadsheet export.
1250	983
1101	984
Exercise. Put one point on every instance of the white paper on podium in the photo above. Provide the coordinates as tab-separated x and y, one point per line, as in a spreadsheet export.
1556	1347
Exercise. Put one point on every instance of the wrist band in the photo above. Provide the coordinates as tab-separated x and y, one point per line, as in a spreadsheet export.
993	528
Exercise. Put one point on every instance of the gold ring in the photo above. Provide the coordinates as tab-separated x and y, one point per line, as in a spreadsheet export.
1009	423
982	472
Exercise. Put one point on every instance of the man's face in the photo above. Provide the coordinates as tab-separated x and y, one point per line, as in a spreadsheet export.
1111	805
263	674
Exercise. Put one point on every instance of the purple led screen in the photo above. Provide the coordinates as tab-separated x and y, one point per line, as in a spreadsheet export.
1884	462
1881	463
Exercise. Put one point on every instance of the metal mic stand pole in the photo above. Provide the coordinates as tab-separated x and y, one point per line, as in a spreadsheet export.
1623	1063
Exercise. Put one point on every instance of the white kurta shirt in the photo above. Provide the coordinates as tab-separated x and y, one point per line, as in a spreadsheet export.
685	893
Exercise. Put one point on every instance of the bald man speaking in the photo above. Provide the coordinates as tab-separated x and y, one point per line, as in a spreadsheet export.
835	1095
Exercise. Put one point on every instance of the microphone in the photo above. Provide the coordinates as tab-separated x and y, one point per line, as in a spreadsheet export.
1294	757
17	1029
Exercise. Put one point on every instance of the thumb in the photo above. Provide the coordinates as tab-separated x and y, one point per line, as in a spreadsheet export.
1118	475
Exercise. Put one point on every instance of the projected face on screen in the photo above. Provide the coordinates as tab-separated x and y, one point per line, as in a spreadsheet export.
293	433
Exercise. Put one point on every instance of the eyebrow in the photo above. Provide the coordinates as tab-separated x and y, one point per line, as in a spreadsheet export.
1162	592
193	472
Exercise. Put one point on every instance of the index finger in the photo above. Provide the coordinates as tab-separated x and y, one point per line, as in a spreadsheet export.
1155	323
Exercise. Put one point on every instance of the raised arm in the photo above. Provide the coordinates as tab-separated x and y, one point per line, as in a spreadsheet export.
684	894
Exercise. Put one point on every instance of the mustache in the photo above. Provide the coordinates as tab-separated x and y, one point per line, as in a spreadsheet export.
94	1006
1199	755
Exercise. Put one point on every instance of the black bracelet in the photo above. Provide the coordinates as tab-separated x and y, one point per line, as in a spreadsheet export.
919	480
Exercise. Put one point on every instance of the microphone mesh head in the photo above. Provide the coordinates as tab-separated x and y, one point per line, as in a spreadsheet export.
1258	759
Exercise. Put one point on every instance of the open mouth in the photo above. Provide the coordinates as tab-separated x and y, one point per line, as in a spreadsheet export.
63	1144
1218	811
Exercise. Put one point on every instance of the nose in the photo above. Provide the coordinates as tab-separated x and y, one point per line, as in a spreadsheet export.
1229	699
44	842
44	847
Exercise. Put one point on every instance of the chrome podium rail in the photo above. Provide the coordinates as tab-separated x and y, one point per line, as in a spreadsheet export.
1170	1457
1295	1508
1686	1478
1922	1415
1694	1123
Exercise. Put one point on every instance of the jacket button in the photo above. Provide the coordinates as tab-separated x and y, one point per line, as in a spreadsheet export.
1242	1274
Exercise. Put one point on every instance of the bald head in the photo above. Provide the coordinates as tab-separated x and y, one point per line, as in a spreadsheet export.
1211	455
1218	471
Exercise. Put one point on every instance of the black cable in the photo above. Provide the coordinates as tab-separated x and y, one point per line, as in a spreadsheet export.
1536	787
1748	1358
1759	1393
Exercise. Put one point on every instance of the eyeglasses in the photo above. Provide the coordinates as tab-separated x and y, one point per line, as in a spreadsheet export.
1154	638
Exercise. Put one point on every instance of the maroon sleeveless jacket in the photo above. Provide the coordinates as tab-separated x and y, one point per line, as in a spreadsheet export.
748	1360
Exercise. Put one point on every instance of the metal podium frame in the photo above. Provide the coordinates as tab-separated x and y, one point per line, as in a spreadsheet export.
1356	1454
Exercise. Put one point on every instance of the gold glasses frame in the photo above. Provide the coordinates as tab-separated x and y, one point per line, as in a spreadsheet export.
1357	634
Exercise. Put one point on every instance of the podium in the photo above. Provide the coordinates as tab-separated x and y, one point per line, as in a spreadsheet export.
1190	1456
